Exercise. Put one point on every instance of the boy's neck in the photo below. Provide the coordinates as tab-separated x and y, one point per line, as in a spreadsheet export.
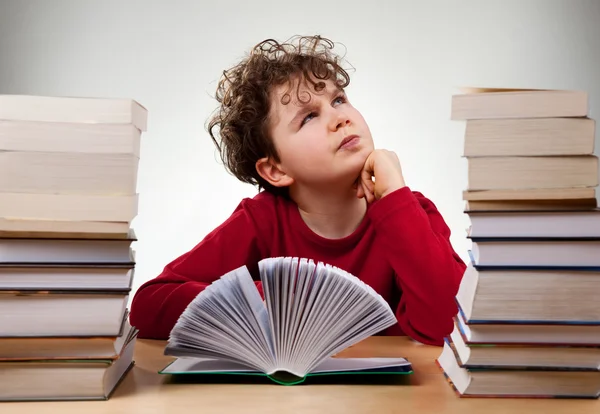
330	214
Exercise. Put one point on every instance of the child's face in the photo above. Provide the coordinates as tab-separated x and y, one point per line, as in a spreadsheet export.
312	139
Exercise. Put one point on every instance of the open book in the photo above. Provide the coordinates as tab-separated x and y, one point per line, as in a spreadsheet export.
311	312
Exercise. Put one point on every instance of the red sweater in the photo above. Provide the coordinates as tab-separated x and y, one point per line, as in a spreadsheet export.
401	249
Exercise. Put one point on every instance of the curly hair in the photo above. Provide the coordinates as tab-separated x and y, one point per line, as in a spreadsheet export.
240	126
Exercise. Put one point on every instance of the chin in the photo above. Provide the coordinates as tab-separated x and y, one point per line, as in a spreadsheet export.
351	165
354	168
361	156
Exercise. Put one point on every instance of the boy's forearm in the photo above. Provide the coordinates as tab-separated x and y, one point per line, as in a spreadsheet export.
159	303
428	270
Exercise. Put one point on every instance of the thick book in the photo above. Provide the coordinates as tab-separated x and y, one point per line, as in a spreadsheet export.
73	137
66	276
67	347
65	380
523	355
536	252
77	110
63	229
529	137
107	250
525	332
68	173
311	312
525	206
62	313
69	207
550	296
505	103
527	382
559	224
558	195
528	172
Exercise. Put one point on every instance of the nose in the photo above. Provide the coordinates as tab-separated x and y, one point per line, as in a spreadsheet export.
339	120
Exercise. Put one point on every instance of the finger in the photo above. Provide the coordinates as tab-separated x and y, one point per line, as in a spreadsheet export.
366	178
367	170
360	193
367	183
370	197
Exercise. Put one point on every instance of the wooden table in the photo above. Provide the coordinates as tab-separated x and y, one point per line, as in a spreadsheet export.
144	391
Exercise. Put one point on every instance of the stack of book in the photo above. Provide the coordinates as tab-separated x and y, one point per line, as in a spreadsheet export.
68	196
529	311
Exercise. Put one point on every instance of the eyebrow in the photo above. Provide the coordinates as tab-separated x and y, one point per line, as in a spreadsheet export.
306	108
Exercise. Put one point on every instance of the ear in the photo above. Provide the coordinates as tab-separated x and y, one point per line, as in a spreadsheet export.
272	173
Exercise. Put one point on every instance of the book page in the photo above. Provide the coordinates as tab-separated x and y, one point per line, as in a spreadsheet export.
304	273
354	319
359	364
314	277
318	310
269	269
227	320
289	298
203	365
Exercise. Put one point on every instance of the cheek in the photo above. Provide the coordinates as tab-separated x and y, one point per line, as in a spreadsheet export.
309	138
298	150
360	119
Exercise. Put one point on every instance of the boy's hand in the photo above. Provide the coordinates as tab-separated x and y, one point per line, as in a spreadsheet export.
384	166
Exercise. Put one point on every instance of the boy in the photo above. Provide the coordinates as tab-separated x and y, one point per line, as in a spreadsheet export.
286	125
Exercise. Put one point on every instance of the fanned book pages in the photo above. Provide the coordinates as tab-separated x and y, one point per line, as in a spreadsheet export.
311	312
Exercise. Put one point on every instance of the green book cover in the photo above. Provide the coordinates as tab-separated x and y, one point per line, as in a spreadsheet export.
330	367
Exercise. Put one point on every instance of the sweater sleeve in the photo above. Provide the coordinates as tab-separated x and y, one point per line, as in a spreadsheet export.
159	302
428	270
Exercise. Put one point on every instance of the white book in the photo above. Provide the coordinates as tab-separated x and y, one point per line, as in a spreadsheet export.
68	173
532	252
73	109
498	103
311	312
509	296
72	207
62	313
66	277
65	380
66	251
70	137
529	137
563	224
524	355
28	228
512	383
528	333
68	347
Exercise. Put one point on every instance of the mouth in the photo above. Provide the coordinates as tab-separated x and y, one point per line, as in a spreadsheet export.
349	141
